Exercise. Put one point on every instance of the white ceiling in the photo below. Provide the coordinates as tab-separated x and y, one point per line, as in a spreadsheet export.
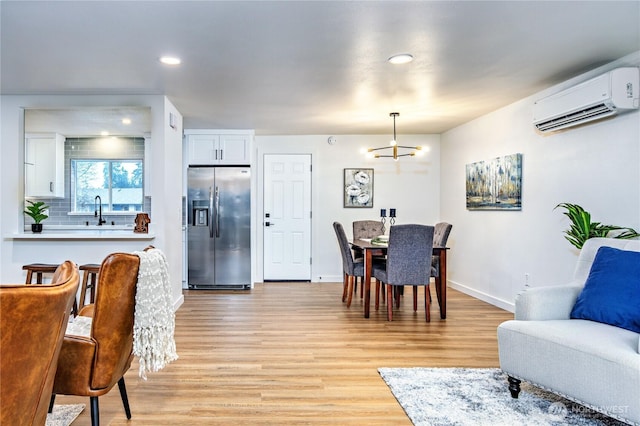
312	67
83	121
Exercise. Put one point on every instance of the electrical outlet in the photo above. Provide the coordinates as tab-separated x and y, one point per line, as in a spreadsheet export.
527	279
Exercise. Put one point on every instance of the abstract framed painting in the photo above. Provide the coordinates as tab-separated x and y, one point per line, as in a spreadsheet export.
495	184
358	188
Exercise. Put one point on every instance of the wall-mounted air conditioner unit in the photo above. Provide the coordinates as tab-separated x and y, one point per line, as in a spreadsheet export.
608	94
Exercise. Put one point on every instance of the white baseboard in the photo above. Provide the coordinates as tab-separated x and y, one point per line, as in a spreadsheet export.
178	302
502	304
327	279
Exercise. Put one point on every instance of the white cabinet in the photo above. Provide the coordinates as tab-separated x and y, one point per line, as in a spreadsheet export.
218	149
44	165
235	149
203	149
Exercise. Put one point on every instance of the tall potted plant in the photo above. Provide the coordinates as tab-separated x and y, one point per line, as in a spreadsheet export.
582	228
35	210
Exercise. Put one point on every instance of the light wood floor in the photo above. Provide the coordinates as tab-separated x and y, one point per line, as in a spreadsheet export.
294	354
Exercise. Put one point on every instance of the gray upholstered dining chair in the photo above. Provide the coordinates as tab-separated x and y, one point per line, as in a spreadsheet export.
440	237
350	267
365	229
408	263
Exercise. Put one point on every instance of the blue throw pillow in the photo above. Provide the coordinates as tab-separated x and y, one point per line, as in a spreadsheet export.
611	294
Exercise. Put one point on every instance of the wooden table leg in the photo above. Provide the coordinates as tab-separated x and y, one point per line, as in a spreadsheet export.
369	252
442	299
368	262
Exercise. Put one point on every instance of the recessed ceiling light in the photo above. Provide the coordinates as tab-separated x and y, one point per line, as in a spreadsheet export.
126	121
402	58
170	60
104	133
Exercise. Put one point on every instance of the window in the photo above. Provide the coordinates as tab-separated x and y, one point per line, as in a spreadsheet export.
117	182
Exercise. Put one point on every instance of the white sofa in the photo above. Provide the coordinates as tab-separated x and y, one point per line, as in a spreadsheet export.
594	364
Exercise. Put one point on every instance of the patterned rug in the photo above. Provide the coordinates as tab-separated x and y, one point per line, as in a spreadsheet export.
479	396
64	415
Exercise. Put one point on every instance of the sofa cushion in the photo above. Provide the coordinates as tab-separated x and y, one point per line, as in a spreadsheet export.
611	294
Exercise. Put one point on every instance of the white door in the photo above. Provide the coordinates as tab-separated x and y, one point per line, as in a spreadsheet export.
287	217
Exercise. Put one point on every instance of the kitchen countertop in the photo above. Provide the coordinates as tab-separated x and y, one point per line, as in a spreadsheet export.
91	233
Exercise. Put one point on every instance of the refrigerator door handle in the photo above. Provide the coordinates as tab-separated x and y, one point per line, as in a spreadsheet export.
211	212
217	212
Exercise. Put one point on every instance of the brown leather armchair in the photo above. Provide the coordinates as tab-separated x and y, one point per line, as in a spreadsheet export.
92	365
32	324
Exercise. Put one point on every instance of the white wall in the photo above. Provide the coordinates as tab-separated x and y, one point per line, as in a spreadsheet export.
596	166
166	175
166	200
411	185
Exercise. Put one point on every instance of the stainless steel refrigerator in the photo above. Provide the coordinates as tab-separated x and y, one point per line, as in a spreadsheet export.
219	227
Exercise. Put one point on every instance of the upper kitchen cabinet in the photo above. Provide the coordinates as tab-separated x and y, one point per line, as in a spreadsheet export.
44	165
212	148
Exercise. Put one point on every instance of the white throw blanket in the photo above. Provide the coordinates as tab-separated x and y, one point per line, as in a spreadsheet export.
154	322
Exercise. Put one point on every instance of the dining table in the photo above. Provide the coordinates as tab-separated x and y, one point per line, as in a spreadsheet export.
371	249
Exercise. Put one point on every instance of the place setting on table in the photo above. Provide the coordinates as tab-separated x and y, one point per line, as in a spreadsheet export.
378	245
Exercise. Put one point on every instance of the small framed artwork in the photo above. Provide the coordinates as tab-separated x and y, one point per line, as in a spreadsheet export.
358	188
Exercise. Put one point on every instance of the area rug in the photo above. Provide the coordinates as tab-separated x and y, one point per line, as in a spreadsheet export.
479	396
64	415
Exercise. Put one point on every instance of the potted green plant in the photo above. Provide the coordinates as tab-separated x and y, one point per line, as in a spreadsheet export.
582	228
35	210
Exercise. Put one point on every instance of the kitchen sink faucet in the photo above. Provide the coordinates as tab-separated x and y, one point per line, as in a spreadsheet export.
98	210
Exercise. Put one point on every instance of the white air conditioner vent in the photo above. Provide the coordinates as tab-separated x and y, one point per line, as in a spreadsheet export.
603	96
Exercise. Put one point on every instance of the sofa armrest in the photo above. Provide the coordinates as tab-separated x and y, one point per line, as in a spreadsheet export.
547	303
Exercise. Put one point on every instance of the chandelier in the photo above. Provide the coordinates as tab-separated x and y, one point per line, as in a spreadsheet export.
393	145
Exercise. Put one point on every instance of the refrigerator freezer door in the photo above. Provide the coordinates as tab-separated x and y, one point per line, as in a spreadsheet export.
200	246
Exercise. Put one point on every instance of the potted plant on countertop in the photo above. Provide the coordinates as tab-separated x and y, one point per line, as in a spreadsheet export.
582	228
35	210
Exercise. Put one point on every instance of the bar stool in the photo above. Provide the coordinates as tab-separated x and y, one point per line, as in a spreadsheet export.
39	269
44	268
90	271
